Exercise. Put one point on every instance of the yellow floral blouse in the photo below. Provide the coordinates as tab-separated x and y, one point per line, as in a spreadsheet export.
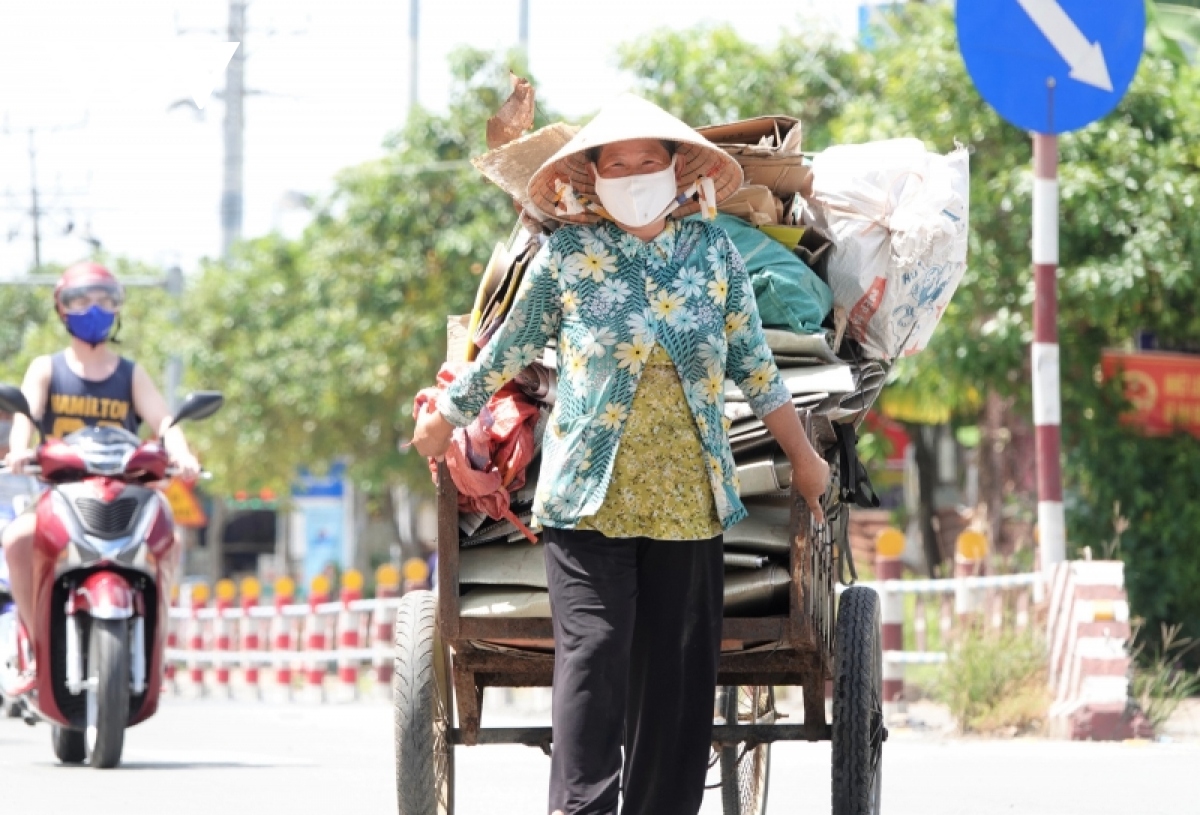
607	298
660	487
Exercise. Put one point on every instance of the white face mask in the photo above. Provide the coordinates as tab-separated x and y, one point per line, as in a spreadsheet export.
637	200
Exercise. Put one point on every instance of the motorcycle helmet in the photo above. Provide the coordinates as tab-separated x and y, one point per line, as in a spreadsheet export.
88	298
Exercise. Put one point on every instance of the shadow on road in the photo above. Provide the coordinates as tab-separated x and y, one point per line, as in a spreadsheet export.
209	765
188	765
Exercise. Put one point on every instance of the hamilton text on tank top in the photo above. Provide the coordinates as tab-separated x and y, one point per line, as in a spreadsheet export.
76	402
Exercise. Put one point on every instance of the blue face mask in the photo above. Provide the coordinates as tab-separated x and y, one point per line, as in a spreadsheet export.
93	326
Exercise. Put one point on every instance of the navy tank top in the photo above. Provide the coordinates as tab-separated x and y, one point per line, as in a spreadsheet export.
75	402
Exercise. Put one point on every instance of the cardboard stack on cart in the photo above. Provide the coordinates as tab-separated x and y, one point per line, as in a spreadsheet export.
852	253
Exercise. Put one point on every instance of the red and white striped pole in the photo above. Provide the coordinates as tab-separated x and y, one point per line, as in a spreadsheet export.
946	618
196	639
920	624
281	639
970	558
889	547
1047	404
1022	615
251	640
348	635
172	639
314	640
226	591
387	585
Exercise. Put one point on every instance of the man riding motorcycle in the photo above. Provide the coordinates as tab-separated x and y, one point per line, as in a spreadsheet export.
87	384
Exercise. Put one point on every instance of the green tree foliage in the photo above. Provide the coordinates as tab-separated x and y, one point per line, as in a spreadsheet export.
320	344
709	75
1128	236
1180	20
25	308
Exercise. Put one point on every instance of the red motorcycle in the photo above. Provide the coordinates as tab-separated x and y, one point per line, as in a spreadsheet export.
105	559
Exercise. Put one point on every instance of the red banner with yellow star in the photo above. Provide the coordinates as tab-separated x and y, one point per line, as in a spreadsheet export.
1163	388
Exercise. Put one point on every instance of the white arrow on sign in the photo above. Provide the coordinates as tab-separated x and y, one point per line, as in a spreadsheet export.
1085	58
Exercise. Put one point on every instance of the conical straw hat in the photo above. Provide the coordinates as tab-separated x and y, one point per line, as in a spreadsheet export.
631	117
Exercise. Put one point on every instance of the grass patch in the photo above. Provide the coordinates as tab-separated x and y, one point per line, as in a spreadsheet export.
995	682
1159	681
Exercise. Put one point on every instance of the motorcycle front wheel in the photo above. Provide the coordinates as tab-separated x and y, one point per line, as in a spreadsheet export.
107	692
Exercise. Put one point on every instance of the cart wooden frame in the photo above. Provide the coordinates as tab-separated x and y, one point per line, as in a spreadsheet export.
445	661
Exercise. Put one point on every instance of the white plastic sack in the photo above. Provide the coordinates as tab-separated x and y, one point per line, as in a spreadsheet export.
898	217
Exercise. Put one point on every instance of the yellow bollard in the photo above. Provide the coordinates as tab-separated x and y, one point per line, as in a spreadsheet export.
416	574
971	550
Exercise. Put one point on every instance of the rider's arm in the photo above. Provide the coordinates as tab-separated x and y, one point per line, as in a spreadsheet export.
152	407
36	387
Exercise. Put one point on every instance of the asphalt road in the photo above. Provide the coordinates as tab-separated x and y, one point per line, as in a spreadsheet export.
214	758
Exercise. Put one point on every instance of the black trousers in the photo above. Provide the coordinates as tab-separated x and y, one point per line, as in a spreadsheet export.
637	637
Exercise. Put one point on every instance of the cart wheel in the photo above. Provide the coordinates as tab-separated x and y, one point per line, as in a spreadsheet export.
744	772
858	731
423	697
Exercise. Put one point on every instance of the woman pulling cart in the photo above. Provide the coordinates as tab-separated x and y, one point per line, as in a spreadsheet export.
651	314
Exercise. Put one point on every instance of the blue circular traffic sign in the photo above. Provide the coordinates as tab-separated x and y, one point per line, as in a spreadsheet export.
1051	66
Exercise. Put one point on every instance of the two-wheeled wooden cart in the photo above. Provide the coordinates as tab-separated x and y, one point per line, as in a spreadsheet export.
445	660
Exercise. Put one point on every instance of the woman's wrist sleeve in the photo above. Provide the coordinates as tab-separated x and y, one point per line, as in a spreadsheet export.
451	412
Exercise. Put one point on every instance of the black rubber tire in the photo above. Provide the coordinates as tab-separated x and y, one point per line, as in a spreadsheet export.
858	728
423	698
68	745
108	663
745	774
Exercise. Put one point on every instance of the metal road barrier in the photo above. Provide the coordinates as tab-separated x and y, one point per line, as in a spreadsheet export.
331	649
346	643
969	598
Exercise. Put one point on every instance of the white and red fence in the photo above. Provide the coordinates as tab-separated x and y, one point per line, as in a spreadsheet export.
336	648
324	647
1086	623
969	598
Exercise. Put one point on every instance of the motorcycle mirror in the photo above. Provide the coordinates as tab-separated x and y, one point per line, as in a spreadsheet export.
13	401
199	405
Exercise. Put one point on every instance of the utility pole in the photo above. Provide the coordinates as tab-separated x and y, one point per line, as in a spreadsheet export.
34	211
174	372
414	26
37	208
523	30
235	95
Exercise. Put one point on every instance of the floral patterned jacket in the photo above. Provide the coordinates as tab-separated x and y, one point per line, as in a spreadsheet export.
608	297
